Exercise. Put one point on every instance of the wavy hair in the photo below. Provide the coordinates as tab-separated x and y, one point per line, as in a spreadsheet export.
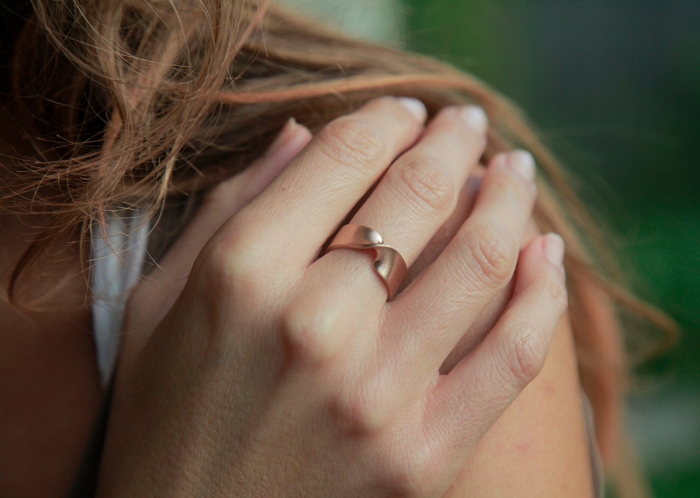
147	103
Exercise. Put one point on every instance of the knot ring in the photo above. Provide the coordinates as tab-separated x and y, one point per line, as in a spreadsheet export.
388	263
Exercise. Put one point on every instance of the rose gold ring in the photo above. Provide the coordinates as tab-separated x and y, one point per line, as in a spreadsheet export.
388	263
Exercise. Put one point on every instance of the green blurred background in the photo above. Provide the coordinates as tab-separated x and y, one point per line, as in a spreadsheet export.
614	86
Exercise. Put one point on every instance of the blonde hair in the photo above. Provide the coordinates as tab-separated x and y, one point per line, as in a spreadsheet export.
142	102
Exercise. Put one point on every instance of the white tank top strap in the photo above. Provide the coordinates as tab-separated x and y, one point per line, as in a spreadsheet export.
118	251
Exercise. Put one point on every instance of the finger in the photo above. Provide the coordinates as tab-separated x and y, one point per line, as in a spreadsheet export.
477	264
166	282
228	197
487	318
411	202
305	204
480	388
465	205
415	197
420	190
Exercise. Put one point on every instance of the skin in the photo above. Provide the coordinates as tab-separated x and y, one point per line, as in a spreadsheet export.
49	392
369	401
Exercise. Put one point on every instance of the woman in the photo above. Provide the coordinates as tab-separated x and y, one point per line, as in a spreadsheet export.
258	358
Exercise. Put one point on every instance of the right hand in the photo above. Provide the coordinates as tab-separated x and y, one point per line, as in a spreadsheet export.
278	373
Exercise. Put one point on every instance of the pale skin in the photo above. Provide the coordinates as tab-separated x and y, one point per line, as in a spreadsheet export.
309	383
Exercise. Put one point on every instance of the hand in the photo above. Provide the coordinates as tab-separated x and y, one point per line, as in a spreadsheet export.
280	373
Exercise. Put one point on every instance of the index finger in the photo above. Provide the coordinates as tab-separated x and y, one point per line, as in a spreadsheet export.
301	208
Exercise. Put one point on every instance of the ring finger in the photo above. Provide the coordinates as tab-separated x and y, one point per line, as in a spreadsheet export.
479	261
414	198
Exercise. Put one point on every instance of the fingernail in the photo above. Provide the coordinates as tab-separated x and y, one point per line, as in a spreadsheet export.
283	137
554	249
522	162
414	106
475	118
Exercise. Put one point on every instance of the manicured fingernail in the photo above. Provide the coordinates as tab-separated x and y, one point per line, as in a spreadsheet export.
554	249
285	134
415	107
522	162
475	118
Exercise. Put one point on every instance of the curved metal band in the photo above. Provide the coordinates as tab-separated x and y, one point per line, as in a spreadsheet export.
388	263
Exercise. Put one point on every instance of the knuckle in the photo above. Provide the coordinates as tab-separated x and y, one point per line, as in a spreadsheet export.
352	143
219	265
418	474
310	337
523	353
490	254
358	413
423	179
226	265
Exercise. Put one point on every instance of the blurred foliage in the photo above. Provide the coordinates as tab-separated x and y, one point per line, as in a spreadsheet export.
614	86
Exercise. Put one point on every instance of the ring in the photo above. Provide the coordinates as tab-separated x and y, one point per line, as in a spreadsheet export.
388	263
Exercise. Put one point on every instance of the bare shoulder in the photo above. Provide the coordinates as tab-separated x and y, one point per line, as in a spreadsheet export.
49	389
539	446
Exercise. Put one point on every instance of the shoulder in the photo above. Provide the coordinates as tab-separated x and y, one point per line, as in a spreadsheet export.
539	447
